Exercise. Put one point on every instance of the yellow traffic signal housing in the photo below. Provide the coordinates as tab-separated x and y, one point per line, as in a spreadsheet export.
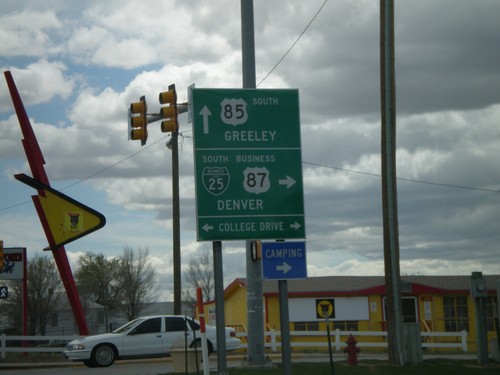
256	249
2	257
169	113
138	120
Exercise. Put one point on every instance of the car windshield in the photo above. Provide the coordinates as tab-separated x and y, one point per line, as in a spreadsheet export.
128	325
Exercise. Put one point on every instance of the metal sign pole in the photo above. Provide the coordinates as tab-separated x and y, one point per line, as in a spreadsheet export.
219	308
286	351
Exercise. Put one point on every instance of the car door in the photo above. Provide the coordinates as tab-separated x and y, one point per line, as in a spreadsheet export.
146	339
176	331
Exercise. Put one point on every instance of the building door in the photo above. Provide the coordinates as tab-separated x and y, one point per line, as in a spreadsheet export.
409	310
409	307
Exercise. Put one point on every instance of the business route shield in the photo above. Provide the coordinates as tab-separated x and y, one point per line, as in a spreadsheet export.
215	179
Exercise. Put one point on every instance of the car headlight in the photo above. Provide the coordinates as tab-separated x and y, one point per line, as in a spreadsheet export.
77	346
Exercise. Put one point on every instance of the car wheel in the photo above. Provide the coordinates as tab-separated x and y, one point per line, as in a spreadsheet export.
103	355
210	347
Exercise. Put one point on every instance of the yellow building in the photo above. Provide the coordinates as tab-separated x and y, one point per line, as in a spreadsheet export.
356	304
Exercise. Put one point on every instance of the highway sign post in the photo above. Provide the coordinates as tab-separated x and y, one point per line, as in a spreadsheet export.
248	164
284	260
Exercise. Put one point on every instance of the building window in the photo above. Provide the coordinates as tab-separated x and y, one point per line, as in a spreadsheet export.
346	325
306	326
54	319
491	312
455	312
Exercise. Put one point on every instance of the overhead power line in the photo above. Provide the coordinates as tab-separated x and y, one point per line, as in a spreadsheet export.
294	43
404	179
114	164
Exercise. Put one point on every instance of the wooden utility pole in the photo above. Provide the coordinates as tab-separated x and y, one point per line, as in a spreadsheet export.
389	188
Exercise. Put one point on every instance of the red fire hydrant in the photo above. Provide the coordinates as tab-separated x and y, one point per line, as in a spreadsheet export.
352	350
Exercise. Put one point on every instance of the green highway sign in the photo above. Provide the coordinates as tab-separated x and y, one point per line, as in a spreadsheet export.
248	164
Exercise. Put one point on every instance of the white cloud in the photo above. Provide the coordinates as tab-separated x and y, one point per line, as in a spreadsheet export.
417	267
28	33
98	46
38	83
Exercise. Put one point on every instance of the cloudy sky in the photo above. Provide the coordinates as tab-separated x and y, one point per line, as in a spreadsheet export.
79	64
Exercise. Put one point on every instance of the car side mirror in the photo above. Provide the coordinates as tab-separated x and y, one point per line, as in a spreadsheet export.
133	332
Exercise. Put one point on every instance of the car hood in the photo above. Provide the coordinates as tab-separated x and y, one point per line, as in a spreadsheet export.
103	337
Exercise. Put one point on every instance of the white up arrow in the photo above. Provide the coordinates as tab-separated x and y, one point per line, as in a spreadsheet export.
205	112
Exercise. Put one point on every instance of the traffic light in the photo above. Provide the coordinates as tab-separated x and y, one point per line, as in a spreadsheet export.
256	250
2	257
138	121
169	113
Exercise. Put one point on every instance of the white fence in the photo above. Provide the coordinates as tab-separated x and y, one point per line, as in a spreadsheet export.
338	338
34	344
54	344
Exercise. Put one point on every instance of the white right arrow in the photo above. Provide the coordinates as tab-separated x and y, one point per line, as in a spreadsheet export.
295	225
288	181
205	112
285	267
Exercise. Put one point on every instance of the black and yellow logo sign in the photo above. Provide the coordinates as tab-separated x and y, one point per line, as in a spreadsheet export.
325	308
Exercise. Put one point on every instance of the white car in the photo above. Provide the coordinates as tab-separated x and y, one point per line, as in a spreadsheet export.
149	336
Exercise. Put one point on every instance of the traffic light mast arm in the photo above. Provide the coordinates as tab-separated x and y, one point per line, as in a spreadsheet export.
181	108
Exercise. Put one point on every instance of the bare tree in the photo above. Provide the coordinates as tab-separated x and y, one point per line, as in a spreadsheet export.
98	282
44	295
138	281
200	274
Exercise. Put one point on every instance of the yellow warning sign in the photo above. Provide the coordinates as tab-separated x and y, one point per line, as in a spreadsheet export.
65	218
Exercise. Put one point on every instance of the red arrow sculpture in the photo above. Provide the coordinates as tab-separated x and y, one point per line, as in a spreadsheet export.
36	162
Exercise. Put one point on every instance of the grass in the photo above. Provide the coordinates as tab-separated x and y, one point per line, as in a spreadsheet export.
429	367
364	367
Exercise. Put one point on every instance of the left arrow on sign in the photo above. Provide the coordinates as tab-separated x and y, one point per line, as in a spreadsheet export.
4	292
207	227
